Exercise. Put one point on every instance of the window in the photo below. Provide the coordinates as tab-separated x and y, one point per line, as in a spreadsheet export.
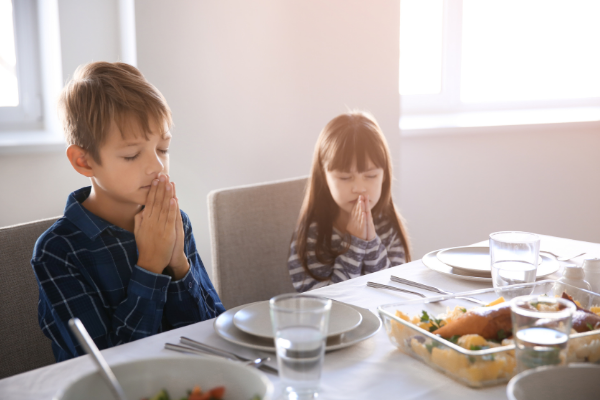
461	56
20	94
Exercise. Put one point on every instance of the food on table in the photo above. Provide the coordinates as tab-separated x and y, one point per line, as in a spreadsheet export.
478	329
473	370
196	393
584	320
484	321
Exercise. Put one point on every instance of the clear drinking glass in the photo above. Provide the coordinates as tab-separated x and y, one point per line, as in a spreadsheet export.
541	327
515	257
300	325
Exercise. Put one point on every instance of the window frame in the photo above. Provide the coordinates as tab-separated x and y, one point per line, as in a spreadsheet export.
47	135
28	114
448	100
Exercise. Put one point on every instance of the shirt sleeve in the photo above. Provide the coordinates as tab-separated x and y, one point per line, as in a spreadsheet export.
346	266
67	290
390	239
363	257
192	298
389	249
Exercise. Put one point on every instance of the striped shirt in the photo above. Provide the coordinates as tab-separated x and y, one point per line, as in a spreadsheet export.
86	268
363	257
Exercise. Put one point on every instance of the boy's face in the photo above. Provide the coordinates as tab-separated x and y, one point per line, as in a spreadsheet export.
346	186
130	162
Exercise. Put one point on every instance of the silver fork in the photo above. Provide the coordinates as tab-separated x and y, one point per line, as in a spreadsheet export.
223	353
382	286
433	289
189	350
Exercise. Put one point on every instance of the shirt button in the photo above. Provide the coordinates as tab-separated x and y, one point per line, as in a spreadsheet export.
190	285
164	289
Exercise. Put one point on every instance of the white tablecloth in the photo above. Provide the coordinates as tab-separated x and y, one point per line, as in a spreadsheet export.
372	369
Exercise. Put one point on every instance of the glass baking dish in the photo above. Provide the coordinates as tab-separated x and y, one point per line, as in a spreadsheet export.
474	367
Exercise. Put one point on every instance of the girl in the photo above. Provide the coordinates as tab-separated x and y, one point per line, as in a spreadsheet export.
348	224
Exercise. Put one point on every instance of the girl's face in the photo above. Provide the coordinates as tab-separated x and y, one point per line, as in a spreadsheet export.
345	187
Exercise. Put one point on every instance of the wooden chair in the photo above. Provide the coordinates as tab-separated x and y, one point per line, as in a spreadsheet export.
23	346
250	229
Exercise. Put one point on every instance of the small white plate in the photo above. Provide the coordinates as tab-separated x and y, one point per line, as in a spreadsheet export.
225	328
469	258
255	319
573	382
548	267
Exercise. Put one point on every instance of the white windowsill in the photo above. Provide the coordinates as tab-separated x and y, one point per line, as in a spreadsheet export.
452	123
31	142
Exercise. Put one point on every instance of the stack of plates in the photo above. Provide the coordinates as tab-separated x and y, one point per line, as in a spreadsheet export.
250	326
474	263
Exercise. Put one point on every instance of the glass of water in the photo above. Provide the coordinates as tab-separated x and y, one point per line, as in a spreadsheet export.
541	327
515	258
300	325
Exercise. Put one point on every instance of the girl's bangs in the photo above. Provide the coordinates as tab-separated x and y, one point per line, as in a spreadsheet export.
358	147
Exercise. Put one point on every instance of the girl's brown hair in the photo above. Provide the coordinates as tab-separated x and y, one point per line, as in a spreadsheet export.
346	139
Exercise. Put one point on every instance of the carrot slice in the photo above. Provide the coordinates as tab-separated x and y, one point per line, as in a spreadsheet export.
218	392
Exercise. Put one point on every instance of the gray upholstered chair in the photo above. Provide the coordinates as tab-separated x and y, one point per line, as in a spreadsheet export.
250	230
23	346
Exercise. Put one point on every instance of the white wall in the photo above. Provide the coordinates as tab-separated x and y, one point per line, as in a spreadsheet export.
251	84
89	31
456	189
36	184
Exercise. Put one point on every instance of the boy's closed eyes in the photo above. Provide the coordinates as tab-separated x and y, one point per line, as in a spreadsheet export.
127	165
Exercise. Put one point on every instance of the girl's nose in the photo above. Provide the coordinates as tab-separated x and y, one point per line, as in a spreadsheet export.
358	189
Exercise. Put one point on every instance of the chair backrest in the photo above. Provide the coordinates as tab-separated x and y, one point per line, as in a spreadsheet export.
250	230
23	346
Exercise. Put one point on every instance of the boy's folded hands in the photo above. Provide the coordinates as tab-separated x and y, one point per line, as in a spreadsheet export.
159	231
178	265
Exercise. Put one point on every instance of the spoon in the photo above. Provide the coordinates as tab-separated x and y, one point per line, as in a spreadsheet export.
84	339
561	258
256	363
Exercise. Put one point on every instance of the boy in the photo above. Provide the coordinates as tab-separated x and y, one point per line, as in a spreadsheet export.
123	258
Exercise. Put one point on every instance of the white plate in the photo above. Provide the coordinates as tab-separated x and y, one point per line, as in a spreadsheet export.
548	267
177	374
225	328
573	382
255	319
468	258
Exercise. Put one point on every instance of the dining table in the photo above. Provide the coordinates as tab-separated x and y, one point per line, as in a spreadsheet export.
371	369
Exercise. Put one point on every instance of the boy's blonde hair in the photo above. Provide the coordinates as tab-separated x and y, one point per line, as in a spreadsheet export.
101	92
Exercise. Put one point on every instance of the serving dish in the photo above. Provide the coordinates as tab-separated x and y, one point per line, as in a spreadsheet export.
477	368
177	374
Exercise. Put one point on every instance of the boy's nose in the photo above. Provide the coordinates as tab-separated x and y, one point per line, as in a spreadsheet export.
156	166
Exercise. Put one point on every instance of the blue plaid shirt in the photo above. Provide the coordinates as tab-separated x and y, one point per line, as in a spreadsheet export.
86	268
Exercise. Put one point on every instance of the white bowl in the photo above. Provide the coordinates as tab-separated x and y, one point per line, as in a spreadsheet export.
144	378
572	382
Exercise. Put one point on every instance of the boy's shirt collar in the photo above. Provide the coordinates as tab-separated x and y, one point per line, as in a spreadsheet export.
89	223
